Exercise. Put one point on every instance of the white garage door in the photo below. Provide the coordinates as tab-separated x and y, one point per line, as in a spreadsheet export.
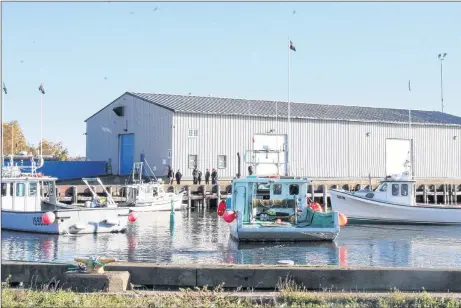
398	152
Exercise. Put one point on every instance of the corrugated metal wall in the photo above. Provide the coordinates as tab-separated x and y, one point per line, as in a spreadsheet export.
319	148
150	124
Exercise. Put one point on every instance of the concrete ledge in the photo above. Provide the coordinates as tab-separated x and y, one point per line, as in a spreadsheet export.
256	276
113	281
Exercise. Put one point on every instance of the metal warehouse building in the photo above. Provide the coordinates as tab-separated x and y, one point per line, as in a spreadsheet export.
325	141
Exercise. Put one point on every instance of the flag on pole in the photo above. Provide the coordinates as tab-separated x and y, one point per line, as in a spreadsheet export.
409	86
292	46
4	88
41	88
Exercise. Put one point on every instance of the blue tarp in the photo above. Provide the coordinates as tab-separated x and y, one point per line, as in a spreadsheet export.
65	170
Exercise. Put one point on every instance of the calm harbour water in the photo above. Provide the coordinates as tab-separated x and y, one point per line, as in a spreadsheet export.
199	236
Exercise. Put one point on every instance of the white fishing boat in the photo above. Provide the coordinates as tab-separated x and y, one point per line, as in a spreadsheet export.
29	204
392	202
148	196
275	209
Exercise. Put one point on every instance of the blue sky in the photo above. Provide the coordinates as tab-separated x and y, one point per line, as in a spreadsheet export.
87	54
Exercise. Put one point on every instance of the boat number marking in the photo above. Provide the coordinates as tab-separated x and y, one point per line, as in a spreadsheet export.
37	221
340	197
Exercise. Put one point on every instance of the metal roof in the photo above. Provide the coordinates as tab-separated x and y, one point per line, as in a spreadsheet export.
233	106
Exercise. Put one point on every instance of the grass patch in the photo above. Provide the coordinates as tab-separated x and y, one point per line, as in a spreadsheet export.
290	294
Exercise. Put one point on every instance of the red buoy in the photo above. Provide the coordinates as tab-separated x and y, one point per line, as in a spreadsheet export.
132	217
221	208
316	207
229	216
48	218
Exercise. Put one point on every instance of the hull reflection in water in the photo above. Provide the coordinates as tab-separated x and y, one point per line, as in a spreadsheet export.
200	237
307	253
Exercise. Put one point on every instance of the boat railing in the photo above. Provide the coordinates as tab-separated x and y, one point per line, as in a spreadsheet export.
14	170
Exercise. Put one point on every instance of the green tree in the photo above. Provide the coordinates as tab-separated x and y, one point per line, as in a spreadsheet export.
55	149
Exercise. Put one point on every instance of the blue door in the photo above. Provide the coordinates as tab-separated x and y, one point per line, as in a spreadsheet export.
126	154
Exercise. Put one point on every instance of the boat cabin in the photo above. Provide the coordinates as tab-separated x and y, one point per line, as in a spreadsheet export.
263	199
25	191
394	189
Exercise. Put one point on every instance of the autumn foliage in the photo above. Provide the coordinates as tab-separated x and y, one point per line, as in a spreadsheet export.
19	144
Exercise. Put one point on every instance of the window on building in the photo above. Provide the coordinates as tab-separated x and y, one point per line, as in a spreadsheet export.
277	189
119	111
169	153
395	189
4	189
222	161
294	189
193	133
20	190
32	189
192	161
404	190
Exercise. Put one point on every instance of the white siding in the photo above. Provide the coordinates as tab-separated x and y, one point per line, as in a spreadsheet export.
319	148
151	125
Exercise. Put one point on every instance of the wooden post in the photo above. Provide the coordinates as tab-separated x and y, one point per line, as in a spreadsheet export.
74	195
445	194
325	198
313	192
424	193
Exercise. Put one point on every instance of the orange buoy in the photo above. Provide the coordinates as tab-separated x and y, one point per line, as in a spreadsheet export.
342	220
316	207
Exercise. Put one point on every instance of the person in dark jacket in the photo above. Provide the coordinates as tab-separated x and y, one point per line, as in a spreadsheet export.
207	177
170	175
199	177
214	177
194	175
178	177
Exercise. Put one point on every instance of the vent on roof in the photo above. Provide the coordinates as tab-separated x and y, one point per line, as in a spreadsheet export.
120	111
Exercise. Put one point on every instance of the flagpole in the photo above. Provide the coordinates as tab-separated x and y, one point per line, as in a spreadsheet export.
287	172
41	125
410	132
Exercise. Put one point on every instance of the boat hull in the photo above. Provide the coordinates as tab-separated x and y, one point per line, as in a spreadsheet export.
360	210
158	205
281	234
72	221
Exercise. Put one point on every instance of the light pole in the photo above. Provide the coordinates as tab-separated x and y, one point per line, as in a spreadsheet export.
441	57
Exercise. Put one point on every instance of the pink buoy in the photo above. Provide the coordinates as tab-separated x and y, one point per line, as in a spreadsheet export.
132	217
48	218
229	216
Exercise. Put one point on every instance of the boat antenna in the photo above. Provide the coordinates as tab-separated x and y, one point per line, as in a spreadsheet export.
410	158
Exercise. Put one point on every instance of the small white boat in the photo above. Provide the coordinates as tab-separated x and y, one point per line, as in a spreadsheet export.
28	197
392	202
150	196
274	209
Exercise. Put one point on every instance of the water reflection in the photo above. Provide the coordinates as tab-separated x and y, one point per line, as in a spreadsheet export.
201	237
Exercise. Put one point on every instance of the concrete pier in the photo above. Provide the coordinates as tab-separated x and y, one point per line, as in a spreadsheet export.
268	277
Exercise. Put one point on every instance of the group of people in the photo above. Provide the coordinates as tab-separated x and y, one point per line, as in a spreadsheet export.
196	176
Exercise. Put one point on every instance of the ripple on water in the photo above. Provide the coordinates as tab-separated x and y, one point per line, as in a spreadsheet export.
201	237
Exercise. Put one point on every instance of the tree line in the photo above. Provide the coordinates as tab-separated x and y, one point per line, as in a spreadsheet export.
20	143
